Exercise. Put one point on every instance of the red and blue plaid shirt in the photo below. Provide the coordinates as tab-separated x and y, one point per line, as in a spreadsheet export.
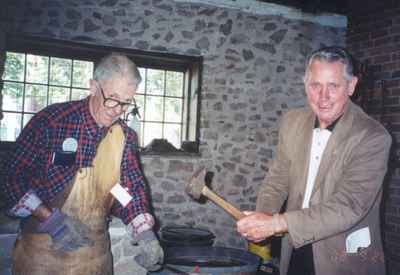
31	168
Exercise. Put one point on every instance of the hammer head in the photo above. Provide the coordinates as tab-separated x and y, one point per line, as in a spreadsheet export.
197	182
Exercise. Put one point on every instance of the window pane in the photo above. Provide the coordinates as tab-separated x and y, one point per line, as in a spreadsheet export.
174	84
26	118
60	71
141	88
83	72
136	125
173	109
33	81
151	131
58	94
10	126
140	103
155	82
14	67
172	132
154	108
12	96
35	97
78	94
37	69
140	135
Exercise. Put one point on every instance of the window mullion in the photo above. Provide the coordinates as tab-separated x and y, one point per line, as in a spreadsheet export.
163	104
72	79
185	109
144	109
48	81
24	90
186	92
170	67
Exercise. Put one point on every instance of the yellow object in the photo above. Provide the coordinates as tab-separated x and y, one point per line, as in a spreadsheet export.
261	249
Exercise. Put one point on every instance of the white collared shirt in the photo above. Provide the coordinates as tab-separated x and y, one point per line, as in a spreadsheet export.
319	141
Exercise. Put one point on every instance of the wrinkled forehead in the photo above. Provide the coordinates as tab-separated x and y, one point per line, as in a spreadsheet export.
124	82
318	68
120	87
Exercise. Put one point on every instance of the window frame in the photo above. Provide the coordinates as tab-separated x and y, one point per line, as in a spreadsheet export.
191	66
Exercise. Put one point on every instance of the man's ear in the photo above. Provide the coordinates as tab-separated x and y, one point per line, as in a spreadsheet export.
93	87
352	85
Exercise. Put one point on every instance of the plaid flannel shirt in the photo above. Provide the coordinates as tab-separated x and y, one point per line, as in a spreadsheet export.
33	177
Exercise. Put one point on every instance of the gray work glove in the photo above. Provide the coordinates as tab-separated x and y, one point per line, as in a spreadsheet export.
150	255
67	233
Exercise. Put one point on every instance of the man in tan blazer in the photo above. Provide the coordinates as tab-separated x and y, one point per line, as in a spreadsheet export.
330	163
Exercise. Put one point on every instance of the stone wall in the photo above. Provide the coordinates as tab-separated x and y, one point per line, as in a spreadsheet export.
253	66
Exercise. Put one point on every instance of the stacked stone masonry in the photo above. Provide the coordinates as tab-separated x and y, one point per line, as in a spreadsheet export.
252	74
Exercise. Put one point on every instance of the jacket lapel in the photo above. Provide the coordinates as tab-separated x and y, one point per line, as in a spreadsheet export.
337	138
304	137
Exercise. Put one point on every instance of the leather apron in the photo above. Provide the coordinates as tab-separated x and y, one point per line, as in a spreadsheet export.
88	199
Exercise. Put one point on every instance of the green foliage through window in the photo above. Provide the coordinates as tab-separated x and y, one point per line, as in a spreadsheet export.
160	99
32	82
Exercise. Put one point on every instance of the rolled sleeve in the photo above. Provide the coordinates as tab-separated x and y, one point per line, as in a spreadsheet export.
31	167
25	164
26	205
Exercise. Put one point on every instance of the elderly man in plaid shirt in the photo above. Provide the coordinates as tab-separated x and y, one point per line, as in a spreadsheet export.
75	164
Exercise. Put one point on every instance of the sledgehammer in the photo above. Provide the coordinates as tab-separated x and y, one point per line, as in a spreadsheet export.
197	187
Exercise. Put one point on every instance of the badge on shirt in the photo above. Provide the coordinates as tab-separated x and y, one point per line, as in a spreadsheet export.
67	156
121	194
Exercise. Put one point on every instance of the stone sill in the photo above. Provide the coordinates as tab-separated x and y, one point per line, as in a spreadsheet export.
6	145
9	146
149	155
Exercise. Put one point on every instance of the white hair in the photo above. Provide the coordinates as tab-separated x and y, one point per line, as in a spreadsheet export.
330	55
117	65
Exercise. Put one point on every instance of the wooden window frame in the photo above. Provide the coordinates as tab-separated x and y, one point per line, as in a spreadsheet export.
191	66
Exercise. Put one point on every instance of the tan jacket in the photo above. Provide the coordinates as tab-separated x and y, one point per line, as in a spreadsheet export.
346	194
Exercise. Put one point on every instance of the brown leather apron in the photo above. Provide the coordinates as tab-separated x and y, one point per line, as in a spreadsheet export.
89	200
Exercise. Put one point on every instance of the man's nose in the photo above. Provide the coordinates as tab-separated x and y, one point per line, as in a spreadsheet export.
324	94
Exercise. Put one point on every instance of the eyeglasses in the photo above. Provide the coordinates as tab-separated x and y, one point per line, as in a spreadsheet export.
112	103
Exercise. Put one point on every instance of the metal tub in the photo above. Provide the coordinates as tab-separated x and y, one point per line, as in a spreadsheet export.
209	260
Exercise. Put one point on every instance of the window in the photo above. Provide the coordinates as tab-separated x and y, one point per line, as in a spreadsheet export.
160	98
31	82
40	73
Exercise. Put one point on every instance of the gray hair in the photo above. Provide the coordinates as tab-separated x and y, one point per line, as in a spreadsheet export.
116	64
331	55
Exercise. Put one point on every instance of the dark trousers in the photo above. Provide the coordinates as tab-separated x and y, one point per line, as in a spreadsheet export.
302	261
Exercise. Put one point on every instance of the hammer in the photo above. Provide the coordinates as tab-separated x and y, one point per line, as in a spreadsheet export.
197	187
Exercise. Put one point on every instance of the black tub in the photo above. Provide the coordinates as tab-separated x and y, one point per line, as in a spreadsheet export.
173	236
209	260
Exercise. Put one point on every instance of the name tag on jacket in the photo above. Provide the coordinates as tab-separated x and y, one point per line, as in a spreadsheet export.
358	239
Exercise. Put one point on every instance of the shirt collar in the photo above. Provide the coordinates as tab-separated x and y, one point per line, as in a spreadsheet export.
90	124
330	126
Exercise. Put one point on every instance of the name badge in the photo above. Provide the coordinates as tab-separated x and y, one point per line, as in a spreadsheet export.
358	240
121	195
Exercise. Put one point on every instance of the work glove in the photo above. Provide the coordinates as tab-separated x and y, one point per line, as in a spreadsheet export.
150	254
67	233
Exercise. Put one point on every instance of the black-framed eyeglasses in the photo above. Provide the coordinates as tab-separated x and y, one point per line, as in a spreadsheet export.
112	103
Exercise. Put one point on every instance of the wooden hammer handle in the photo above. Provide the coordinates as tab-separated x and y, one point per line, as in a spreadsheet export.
222	203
